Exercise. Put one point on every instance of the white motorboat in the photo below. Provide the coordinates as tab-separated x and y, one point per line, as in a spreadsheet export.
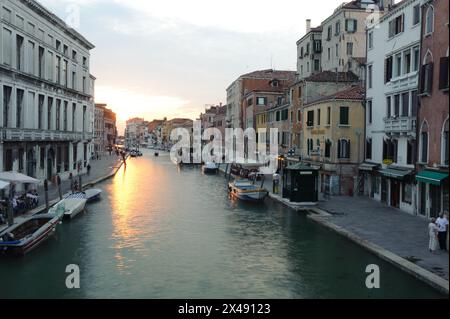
71	205
93	194
210	168
246	190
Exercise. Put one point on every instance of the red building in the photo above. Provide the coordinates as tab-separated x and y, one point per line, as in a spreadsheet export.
433	142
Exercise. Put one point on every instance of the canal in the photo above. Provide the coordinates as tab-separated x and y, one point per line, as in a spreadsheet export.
162	232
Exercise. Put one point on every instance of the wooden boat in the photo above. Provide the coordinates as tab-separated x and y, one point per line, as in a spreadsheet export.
25	236
72	205
210	168
246	190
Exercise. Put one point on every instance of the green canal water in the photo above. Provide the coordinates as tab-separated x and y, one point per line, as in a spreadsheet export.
162	232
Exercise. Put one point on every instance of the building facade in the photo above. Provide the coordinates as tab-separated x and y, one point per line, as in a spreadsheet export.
46	93
334	139
393	63
309	51
433	142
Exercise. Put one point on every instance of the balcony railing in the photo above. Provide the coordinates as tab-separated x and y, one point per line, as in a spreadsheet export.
406	81
30	135
400	125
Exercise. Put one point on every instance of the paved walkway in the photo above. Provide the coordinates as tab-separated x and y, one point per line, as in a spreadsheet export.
401	233
99	169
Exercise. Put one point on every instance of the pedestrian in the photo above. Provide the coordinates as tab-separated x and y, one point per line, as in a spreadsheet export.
442	224
89	169
276	183
433	233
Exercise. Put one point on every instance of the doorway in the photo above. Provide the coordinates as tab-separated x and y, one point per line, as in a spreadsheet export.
395	193
435	199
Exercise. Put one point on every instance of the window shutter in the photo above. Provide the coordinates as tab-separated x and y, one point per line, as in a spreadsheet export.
339	148
422	78
443	74
430	77
348	148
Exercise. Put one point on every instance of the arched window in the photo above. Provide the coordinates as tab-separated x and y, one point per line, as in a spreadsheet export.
445	144
424	143
344	148
427	73
429	25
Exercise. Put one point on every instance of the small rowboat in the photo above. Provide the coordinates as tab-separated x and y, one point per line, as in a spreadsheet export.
25	236
246	190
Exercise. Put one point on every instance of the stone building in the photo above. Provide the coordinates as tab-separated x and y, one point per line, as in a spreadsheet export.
46	93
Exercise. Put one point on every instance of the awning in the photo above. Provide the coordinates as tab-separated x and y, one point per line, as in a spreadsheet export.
368	167
395	173
431	177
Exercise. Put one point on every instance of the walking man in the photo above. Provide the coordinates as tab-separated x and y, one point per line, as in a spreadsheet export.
442	224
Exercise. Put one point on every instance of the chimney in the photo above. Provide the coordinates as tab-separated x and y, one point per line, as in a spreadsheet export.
308	25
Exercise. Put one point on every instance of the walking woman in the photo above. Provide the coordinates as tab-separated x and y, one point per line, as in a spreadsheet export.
433	233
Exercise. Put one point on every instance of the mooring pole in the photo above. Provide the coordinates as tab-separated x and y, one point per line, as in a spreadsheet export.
58	181
47	206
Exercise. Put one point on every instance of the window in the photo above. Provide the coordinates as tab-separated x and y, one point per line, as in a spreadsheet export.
411	151
427	78
388	66
58	45
299	116
328	145
338	28
416	63
330	32
66	106
369	112
84	61
397	105
344	119
329	116
337	50
370	40
317	46
30	62
416	14
350	48
344	149
396	26
369	148
6	105
398	65
19	108
429	23
7	47
74	110
41	112
261	101
19	53
407	193
65	73
65	50
390	150
317	65
310	119
50	67
445	144
424	143
58	70
318	117
41	62
329	54
58	115
74	80
6	14
351	25
84	117
405	104
407	62
414	103
307	49
443	74
49	113
74	55
250	102
370	76
388	107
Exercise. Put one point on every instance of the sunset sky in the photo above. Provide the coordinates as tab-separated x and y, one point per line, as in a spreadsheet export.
171	58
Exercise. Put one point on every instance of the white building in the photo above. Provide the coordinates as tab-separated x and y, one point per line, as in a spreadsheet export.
344	34
46	93
309	52
392	81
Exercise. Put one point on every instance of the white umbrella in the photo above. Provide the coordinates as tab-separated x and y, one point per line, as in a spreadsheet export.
3	184
15	177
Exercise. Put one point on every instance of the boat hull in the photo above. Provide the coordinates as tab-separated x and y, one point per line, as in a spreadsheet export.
248	194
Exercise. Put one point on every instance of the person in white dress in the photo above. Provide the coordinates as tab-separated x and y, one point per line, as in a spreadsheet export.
433	233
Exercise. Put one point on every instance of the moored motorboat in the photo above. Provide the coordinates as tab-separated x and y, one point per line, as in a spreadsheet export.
210	168
246	190
72	205
28	234
93	194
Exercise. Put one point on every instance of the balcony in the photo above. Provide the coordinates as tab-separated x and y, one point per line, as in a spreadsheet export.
404	82
400	125
30	135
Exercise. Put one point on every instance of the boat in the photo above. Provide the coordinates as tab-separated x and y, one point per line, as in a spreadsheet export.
90	194
72	205
246	190
21	238
210	168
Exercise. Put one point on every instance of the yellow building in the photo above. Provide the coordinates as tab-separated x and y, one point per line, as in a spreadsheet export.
333	139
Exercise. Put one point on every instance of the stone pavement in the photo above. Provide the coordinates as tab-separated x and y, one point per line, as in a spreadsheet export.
99	169
400	233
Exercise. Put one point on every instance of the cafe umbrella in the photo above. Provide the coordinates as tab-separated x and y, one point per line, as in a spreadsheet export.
13	178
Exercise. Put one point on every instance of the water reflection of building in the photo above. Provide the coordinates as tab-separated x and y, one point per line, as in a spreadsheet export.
47	111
